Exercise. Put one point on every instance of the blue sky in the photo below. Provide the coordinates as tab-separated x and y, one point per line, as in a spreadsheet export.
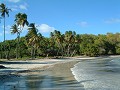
82	16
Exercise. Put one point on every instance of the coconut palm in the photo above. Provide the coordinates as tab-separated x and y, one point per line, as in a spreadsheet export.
59	39
15	30
33	38
21	20
69	40
4	11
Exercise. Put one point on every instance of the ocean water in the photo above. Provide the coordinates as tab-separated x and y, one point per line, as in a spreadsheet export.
99	74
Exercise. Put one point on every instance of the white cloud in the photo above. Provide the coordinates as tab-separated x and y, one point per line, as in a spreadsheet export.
14	1
44	28
113	20
19	7
14	8
83	24
23	6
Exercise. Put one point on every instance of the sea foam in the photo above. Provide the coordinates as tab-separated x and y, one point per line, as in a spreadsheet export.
98	74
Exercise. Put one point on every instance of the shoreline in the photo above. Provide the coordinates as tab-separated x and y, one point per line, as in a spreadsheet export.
52	72
42	63
55	76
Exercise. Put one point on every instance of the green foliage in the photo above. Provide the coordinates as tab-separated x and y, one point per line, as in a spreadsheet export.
68	44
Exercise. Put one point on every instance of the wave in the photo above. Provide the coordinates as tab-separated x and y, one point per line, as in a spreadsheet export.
98	74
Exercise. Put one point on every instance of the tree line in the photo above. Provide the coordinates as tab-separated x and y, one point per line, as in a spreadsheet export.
33	44
68	45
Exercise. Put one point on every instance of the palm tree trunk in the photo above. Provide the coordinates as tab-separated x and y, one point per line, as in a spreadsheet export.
4	29
18	43
4	40
73	53
17	48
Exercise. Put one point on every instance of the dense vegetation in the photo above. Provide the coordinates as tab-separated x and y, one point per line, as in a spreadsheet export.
68	44
58	44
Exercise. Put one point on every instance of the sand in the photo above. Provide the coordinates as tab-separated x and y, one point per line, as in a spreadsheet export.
30	64
57	76
50	74
42	63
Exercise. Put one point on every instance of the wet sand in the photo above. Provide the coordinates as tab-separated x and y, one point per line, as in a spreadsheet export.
49	74
54	77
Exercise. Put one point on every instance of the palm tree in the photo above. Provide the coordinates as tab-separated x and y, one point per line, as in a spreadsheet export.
33	38
58	38
21	21
15	29
4	11
69	40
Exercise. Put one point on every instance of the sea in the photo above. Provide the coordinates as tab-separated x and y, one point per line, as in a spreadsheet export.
98	74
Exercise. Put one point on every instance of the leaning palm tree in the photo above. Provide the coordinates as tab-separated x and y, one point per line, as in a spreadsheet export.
15	30
33	38
4	11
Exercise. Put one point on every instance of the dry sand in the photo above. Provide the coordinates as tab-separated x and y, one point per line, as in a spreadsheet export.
31	64
43	63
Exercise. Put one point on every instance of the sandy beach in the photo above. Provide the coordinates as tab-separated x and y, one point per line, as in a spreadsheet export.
56	70
39	63
48	74
30	64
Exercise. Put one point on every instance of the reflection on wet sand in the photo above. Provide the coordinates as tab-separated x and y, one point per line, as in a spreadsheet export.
57	77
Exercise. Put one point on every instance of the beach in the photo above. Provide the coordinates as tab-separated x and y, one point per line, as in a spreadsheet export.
46	74
54	74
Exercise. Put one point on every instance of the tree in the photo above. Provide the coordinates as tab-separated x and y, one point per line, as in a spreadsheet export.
21	21
15	29
58	38
88	46
70	42
4	11
33	38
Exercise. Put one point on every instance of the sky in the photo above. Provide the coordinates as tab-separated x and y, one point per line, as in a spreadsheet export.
82	16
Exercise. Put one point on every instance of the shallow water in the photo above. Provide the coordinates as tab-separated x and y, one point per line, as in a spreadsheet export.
58	77
101	74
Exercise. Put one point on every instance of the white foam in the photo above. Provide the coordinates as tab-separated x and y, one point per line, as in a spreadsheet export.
90	74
